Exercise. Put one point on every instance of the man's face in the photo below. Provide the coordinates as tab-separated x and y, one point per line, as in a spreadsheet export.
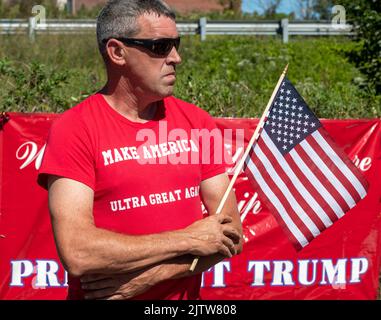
151	76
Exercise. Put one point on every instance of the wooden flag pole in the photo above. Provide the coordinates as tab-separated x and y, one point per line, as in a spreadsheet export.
248	148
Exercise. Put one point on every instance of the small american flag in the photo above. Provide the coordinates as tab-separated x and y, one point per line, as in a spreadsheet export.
304	178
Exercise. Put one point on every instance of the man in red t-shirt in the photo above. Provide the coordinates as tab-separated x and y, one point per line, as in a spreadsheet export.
127	168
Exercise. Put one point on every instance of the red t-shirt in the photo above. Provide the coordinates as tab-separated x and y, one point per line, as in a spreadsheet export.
145	177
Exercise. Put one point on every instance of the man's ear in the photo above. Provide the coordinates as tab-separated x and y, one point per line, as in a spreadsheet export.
115	52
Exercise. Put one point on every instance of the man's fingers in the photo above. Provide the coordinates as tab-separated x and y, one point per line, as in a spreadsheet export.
231	233
229	245
94	277
97	285
115	297
99	294
224	219
225	251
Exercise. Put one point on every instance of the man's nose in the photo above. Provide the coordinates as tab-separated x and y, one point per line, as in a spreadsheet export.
174	57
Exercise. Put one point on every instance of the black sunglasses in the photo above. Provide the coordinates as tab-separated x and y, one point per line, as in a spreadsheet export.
159	47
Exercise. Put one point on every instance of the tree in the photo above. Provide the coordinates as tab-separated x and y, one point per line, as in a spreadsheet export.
233	5
305	9
269	7
236	6
322	8
365	15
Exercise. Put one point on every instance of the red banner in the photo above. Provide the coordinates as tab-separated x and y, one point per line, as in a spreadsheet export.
342	263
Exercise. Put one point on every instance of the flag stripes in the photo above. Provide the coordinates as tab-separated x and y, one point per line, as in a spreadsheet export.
294	180
304	196
306	181
323	179
354	181
297	237
316	187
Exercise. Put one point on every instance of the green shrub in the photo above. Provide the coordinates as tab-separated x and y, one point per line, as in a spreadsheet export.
235	76
32	87
226	75
366	16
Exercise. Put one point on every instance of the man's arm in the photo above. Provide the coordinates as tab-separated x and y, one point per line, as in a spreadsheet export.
129	285
86	249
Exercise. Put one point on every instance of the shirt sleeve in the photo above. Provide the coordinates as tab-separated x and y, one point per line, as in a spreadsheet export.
68	153
213	153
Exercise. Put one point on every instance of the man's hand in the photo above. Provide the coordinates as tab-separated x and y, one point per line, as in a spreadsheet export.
118	286
214	234
212	191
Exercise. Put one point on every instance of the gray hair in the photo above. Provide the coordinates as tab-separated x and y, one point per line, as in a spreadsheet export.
118	18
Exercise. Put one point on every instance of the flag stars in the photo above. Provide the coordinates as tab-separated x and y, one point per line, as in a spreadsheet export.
290	120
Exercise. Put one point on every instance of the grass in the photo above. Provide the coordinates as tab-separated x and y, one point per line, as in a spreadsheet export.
227	75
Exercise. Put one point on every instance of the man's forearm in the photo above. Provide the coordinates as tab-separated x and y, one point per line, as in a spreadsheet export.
106	252
90	250
129	285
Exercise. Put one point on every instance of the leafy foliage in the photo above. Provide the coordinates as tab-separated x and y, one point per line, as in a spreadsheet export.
226	75
366	16
235	76
32	87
